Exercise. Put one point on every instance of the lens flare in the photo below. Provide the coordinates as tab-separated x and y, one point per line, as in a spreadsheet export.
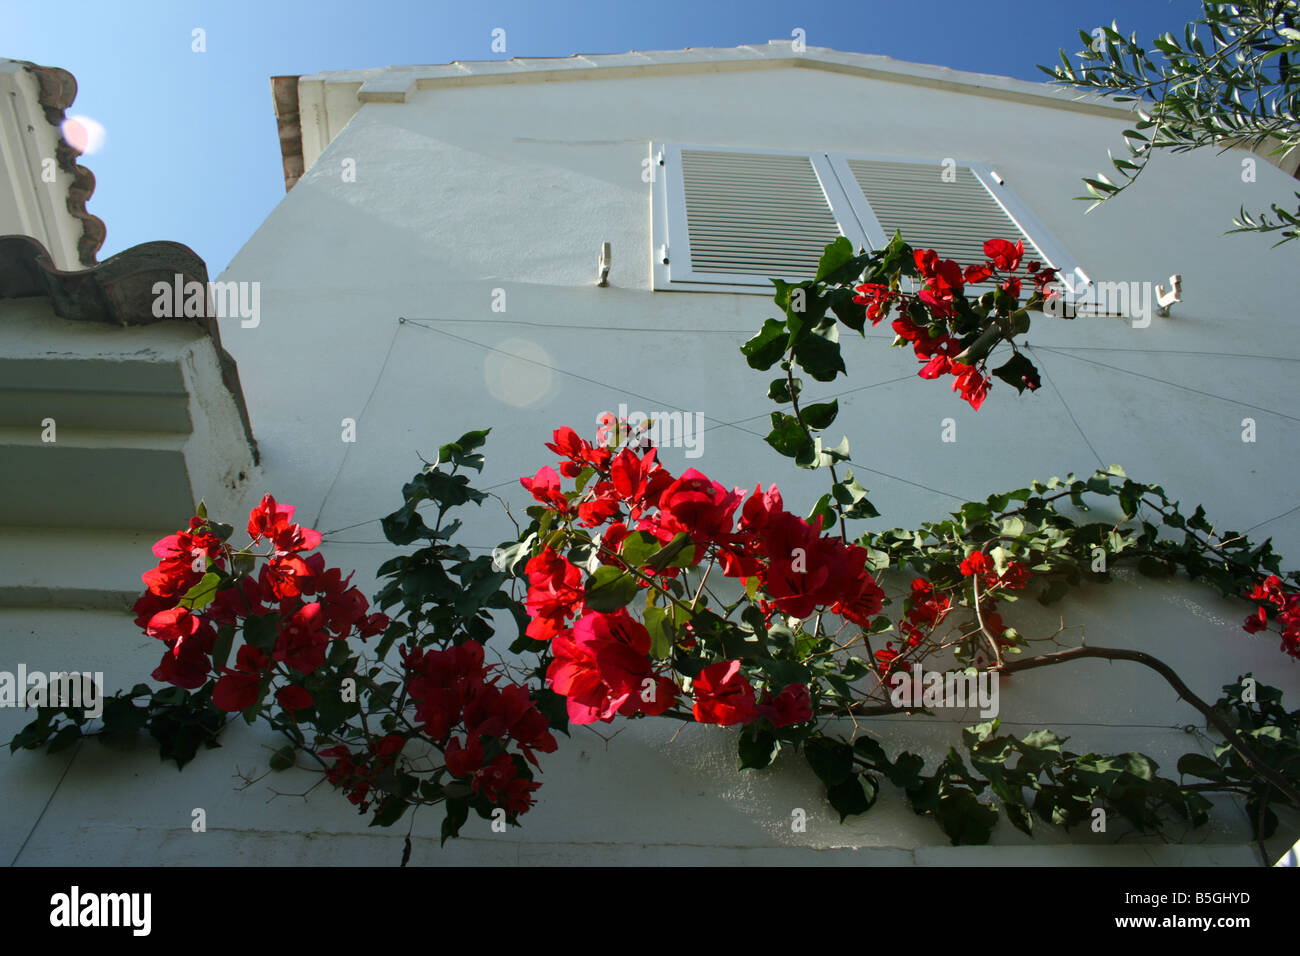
517	373
83	134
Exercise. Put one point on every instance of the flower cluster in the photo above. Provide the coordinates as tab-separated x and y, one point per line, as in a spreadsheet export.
304	604
454	691
355	771
1283	606
602	661
943	282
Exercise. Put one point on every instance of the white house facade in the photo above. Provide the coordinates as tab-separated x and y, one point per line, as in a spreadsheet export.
433	268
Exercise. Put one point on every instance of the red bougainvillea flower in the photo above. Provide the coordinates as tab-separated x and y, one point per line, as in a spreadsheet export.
187	662
303	639
923	343
877	298
977	563
638	481
868	602
806	570
601	503
1269	590
190	546
699	506
974	275
171	625
172	578
602	667
1004	255
285	576
760	507
440	683
545	487
941	361
274	521
1015	577
463	762
791	706
943	283
972	384
723	695
501	785
554	593
294	698
579	454
1257	621
568	444
928	606
508	713
1284	605
1044	280
238	689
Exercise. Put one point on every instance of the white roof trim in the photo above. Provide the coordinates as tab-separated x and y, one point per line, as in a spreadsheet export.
328	100
394	83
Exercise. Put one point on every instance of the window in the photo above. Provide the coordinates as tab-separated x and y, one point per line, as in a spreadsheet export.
727	220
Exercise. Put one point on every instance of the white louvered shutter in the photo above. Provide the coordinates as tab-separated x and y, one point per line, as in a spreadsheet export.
952	218
750	213
741	217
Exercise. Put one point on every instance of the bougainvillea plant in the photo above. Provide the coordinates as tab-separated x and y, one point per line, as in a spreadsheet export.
638	593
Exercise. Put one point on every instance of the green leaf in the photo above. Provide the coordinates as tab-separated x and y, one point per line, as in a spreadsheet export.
780	391
637	548
261	631
787	437
824	509
818	353
856	794
766	348
1017	372
284	758
757	747
221	647
852	497
66	737
820	416
852	314
965	820
389	812
1199	765
201	595
610	589
1153	567
836	254
660	627
831	760
677	553
457	814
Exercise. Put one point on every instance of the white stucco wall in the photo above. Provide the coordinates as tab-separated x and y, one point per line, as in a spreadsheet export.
460	191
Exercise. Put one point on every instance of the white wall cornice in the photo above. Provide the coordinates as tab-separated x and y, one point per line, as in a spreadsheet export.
327	101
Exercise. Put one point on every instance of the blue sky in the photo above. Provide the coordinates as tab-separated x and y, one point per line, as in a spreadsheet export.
191	152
